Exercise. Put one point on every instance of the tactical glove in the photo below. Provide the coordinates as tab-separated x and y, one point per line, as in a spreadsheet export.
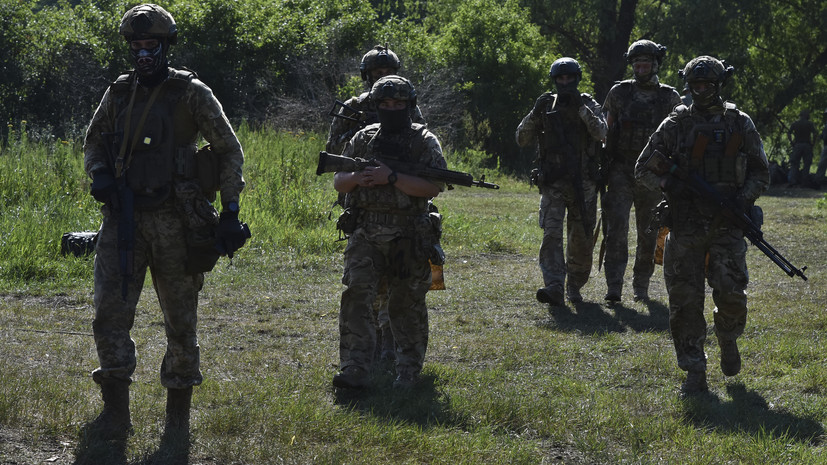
103	186
231	234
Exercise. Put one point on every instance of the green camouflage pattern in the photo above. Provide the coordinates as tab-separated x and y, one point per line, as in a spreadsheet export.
159	246
341	126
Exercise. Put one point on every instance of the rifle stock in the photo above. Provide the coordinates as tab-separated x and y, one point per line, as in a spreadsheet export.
331	163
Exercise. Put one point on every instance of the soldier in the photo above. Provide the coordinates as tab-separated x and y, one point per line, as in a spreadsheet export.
140	151
633	109
376	63
802	134
568	126
392	235
713	141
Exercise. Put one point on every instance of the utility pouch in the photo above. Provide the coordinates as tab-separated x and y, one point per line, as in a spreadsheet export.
201	253
348	220
437	255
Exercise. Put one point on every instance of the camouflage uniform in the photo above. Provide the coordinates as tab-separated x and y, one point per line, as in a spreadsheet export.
390	240
583	128
822	163
637	108
802	134
733	162
166	211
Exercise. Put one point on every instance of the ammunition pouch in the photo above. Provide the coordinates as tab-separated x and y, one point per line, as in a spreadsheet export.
348	220
200	166
201	253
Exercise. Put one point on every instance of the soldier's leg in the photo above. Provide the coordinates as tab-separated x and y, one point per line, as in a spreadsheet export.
793	177
409	314
384	337
616	204
728	278
645	202
551	260
114	315
365	263
580	243
683	271
806	161
822	166
177	295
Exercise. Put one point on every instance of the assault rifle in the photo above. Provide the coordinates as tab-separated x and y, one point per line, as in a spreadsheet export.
659	164
361	119
330	163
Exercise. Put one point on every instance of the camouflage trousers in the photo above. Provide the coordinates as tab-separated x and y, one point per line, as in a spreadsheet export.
621	194
684	272
800	160
558	203
408	278
159	246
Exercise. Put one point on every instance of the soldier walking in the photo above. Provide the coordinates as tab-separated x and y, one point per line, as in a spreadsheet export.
712	141
567	126
634	108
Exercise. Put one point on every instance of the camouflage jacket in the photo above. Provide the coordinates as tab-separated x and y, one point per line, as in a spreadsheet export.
585	128
676	138
636	111
197	111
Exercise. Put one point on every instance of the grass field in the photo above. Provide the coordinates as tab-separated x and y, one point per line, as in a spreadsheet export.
507	380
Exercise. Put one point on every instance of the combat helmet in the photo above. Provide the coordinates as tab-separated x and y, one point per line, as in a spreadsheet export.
708	69
645	47
378	57
563	66
394	87
148	21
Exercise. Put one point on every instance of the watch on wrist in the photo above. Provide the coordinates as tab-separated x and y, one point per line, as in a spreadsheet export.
231	207
392	178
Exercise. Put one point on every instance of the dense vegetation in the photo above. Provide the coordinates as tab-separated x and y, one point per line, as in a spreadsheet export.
478	64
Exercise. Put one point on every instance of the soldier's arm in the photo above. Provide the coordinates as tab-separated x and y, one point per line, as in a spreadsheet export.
592	115
757	178
662	140
95	150
214	126
531	125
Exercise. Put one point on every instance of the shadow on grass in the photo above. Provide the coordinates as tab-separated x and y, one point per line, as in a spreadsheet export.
593	318
749	412
423	405
94	450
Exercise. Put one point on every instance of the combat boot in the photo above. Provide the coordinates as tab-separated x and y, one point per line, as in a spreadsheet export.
351	377
730	358
573	294
179	402
613	294
695	383
548	296
114	421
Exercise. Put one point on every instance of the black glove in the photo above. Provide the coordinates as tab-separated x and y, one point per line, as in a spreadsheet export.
231	234
103	186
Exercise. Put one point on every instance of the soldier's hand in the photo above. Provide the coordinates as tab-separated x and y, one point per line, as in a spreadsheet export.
103	186
231	234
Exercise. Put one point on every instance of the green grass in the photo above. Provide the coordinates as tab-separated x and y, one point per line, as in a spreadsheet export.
506	379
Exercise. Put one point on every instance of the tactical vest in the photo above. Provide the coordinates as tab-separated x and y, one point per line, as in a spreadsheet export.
712	149
382	203
165	145
637	120
563	141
